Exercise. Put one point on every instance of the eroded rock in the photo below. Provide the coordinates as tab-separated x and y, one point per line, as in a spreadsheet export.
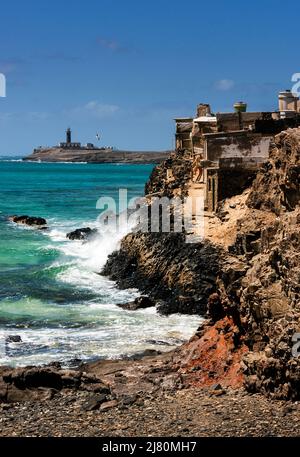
138	303
35	383
37	222
84	233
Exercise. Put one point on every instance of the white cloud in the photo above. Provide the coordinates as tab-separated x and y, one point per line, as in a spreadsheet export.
101	109
94	109
224	84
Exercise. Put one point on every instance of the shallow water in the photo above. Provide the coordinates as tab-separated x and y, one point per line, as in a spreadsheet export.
50	291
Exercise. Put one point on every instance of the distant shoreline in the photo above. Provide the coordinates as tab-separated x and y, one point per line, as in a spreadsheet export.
96	156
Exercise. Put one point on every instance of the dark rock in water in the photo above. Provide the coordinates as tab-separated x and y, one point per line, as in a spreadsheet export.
75	363
82	233
38	222
164	307
55	365
13	339
159	342
138	303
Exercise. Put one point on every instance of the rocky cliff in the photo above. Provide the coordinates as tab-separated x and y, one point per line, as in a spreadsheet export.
250	287
181	166
178	275
269	298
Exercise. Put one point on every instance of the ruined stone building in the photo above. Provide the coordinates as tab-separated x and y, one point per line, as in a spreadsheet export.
228	148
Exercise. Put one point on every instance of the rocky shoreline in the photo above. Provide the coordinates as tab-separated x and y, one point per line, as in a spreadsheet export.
135	398
248	281
238	375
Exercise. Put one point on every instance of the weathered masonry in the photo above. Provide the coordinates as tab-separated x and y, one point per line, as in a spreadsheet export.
230	162
228	148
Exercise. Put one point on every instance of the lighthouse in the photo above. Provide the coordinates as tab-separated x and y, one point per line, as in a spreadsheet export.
68	144
68	136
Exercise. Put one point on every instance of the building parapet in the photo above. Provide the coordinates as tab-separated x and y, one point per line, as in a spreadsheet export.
227	149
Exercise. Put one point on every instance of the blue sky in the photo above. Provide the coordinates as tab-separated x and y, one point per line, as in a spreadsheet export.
126	68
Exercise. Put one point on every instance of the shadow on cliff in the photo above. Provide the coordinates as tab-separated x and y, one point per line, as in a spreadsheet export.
179	276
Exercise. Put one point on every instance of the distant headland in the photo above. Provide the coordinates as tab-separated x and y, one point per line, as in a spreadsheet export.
69	151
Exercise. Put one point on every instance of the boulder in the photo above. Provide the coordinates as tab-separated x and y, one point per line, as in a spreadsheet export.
32	377
138	303
34	383
38	222
13	339
82	233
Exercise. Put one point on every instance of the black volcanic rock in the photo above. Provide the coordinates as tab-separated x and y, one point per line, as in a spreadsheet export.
38	222
33	383
165	267
138	303
82	233
13	339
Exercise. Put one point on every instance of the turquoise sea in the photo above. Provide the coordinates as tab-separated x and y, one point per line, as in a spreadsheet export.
51	294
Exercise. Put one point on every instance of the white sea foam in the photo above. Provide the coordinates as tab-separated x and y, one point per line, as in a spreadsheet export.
85	258
89	328
120	333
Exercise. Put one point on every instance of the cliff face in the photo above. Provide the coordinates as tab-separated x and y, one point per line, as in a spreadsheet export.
180	276
181	166
277	186
267	298
251	288
270	292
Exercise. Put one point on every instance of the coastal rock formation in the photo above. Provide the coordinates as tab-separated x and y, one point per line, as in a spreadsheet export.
13	339
166	268
38	383
267	295
180	166
249	288
84	233
38	222
138	303
277	186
